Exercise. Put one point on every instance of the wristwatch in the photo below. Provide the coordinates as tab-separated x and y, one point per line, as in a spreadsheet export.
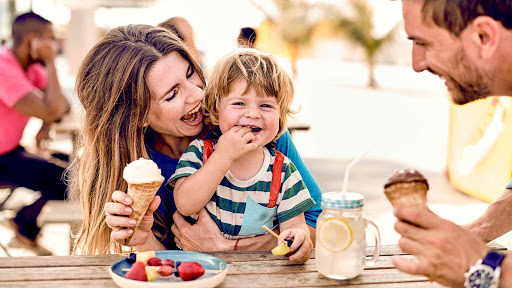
485	273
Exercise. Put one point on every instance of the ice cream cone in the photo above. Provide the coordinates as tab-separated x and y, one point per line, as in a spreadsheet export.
142	195
407	188
144	179
407	194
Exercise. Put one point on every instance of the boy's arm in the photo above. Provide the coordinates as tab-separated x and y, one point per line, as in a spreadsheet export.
202	185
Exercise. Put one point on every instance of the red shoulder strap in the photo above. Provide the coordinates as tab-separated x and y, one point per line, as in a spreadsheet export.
207	149
275	185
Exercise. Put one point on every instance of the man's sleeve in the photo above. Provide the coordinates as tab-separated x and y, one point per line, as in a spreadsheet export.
509	185
14	85
285	145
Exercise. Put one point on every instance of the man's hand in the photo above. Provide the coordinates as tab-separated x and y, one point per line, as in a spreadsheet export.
43	138
445	251
201	237
236	142
43	49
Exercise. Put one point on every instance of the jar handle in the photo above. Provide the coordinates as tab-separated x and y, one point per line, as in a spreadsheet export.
376	252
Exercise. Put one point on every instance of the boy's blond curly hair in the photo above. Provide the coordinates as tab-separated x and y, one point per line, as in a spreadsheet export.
261	71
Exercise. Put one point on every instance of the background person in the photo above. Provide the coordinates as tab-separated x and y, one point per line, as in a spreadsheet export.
160	86
247	37
182	28
28	89
468	45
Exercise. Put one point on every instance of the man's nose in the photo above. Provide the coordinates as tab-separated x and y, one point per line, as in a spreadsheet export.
419	61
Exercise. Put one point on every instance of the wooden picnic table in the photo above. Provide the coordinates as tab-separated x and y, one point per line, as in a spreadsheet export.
245	269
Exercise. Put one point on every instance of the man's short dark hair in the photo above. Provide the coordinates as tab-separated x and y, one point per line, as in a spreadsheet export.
248	33
456	15
25	24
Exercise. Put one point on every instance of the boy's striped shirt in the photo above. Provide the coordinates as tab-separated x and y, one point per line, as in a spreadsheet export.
227	205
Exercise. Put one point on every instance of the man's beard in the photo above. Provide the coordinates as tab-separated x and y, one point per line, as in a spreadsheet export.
475	84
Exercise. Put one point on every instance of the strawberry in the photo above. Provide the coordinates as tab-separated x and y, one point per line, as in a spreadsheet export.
190	270
154	261
137	272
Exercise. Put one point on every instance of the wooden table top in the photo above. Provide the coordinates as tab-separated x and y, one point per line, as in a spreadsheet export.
245	269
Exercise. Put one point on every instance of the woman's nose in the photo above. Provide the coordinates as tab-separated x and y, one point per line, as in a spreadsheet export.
195	94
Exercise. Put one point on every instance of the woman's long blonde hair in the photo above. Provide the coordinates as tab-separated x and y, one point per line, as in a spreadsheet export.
111	85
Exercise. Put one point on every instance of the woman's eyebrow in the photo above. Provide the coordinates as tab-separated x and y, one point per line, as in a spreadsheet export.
168	91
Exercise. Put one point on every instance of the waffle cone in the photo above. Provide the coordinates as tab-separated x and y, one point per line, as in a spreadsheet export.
407	194
142	194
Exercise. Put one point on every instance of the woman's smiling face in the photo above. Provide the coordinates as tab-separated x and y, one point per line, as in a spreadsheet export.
176	94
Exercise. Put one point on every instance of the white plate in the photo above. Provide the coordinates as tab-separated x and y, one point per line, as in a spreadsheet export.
118	270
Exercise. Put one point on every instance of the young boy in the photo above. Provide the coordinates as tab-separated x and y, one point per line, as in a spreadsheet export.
240	178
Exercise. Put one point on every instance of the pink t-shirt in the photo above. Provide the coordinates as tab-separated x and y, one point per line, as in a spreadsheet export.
14	84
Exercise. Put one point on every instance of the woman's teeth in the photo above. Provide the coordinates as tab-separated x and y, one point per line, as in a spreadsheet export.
193	115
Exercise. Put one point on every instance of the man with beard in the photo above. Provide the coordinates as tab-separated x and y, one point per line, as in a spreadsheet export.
28	89
468	44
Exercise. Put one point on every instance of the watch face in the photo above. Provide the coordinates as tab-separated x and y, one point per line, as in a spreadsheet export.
481	278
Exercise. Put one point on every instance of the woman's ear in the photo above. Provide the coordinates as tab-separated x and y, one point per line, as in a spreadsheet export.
486	35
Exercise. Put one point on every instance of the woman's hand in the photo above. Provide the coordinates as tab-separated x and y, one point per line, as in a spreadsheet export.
236	142
302	246
202	236
118	219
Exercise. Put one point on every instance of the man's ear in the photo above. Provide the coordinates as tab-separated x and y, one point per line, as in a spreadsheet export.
486	35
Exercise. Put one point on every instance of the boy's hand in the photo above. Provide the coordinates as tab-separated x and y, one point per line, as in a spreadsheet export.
302	246
236	142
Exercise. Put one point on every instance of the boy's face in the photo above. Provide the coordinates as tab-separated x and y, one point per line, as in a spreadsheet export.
249	109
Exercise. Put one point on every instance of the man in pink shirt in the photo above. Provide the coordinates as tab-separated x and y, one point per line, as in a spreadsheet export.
27	90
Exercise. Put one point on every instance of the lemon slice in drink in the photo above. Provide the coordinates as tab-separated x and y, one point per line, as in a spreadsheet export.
335	234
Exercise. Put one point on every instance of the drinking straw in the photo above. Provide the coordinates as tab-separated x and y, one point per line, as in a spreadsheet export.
347	170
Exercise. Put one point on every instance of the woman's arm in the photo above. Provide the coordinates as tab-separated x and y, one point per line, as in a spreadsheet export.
205	236
285	145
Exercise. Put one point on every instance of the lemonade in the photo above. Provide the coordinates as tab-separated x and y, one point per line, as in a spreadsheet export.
341	238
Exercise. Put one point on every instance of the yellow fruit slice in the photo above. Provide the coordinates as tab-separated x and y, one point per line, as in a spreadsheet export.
335	234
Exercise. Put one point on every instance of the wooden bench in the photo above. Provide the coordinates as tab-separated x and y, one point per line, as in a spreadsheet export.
62	212
295	124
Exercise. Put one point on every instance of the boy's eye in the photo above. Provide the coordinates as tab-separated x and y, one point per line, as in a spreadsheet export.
238	104
266	106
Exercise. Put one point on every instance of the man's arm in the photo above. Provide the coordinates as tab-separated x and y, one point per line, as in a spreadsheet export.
506	271
496	220
49	106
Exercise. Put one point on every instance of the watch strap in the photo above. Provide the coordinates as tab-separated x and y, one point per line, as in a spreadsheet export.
493	259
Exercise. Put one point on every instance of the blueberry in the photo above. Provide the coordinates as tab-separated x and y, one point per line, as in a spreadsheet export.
176	272
131	259
289	242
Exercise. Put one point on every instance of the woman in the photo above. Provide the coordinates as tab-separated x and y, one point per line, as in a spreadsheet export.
142	94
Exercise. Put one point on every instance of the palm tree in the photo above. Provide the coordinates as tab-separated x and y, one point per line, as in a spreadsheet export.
359	30
295	23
